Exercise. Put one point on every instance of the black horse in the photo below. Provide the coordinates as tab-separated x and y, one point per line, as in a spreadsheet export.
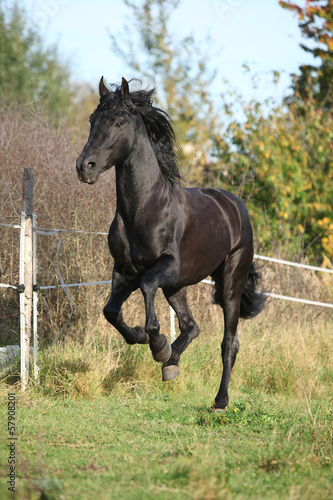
166	236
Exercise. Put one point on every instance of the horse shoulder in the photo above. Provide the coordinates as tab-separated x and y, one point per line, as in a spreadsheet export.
117	239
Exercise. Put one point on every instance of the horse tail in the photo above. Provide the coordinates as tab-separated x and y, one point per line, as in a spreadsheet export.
252	300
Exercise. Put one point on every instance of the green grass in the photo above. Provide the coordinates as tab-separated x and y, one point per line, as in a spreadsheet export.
143	445
102	424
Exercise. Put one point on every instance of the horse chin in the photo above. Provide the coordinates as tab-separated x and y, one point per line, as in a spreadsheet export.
93	177
89	179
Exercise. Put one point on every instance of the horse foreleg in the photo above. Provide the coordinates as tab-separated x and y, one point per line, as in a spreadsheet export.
189	330
163	273
122	287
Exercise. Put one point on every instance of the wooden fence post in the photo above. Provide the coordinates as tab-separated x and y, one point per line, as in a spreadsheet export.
27	274
35	293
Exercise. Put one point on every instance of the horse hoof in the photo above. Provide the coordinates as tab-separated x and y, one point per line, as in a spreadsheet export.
170	372
217	410
164	354
218	407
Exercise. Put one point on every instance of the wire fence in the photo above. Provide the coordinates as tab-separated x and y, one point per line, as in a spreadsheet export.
50	232
45	231
65	286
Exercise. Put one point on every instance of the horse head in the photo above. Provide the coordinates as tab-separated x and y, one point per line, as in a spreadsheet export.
112	133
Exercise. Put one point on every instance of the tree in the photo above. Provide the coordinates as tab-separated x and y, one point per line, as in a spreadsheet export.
178	69
281	165
316	24
29	72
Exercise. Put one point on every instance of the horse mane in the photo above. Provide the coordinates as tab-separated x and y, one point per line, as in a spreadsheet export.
158	124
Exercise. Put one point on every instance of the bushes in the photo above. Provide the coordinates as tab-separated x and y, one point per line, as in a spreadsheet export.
282	166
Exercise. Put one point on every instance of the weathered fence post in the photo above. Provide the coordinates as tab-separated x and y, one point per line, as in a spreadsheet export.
172	325
35	293
26	274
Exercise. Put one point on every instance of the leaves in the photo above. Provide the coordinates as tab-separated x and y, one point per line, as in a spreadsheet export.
30	73
315	22
281	165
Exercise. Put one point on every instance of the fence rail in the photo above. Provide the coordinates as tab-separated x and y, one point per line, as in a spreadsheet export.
209	282
72	285
4	285
48	232
293	264
14	226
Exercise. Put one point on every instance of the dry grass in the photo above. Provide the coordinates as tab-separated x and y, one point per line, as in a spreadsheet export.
60	201
282	352
279	439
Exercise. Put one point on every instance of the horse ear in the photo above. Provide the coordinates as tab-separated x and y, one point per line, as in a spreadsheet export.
103	90
125	89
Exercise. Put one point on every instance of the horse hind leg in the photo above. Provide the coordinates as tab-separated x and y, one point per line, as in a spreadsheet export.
230	281
188	328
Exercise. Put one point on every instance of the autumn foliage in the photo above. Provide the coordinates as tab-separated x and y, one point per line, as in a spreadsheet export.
316	24
279	159
282	166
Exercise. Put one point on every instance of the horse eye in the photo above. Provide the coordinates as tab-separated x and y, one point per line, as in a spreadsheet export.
118	124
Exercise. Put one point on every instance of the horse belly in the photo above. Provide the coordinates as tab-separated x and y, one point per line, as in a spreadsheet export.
204	246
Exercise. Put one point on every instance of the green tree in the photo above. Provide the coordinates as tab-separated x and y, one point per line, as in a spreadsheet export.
30	72
178	69
278	162
281	164
316	24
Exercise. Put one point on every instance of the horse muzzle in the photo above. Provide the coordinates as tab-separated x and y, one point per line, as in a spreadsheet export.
87	171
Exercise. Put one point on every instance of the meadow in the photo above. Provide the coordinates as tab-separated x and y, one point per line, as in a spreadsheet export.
102	423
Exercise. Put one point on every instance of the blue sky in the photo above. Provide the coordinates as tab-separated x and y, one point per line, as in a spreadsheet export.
257	32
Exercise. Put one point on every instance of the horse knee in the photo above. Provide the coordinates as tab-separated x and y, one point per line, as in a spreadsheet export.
110	315
194	331
152	327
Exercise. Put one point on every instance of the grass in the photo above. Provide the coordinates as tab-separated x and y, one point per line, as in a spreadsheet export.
101	422
141	445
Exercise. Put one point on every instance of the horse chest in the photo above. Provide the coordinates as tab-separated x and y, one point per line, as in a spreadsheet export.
132	247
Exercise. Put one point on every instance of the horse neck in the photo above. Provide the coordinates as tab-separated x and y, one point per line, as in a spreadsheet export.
139	179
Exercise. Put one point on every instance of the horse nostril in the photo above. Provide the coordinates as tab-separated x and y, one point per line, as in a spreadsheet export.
90	165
